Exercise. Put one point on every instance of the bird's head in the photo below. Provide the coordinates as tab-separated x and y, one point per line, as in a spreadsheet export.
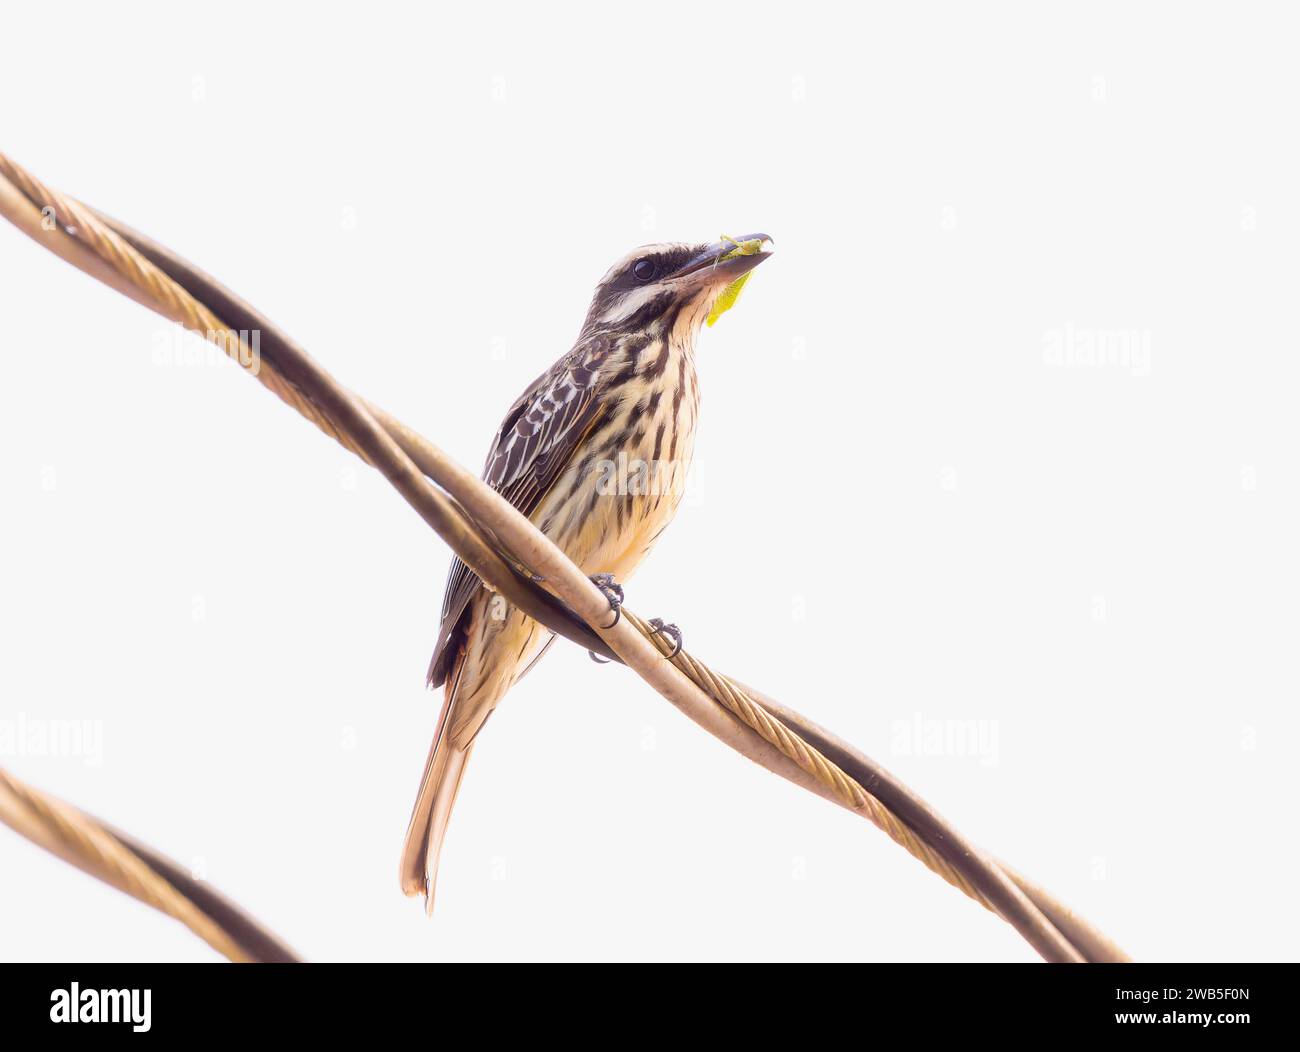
675	288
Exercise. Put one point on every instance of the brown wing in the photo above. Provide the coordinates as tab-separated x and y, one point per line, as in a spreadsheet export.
530	451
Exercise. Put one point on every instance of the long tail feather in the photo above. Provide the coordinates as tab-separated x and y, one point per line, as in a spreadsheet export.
438	788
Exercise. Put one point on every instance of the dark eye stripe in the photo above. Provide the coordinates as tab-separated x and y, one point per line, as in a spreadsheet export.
647	312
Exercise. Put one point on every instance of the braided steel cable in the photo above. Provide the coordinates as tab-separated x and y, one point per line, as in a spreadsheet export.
165	295
76	837
754	715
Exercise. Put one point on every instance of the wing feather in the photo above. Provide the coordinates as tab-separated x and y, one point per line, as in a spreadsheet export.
532	447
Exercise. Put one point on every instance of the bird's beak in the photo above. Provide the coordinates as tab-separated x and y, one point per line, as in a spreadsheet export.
726	260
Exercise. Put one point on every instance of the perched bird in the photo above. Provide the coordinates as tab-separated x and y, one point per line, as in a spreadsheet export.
595	454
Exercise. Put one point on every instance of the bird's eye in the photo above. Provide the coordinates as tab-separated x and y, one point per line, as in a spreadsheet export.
643	269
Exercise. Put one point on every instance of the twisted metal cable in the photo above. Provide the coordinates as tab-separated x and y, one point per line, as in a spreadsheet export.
75	836
170	299
727	693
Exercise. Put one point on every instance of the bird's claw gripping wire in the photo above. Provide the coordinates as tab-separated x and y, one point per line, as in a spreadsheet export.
612	591
658	628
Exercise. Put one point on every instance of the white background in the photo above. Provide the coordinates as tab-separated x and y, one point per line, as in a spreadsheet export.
908	513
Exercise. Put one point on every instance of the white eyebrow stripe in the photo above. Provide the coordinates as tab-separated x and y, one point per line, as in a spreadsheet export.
629	303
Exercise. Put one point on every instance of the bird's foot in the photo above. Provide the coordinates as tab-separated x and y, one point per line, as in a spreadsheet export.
668	632
612	591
